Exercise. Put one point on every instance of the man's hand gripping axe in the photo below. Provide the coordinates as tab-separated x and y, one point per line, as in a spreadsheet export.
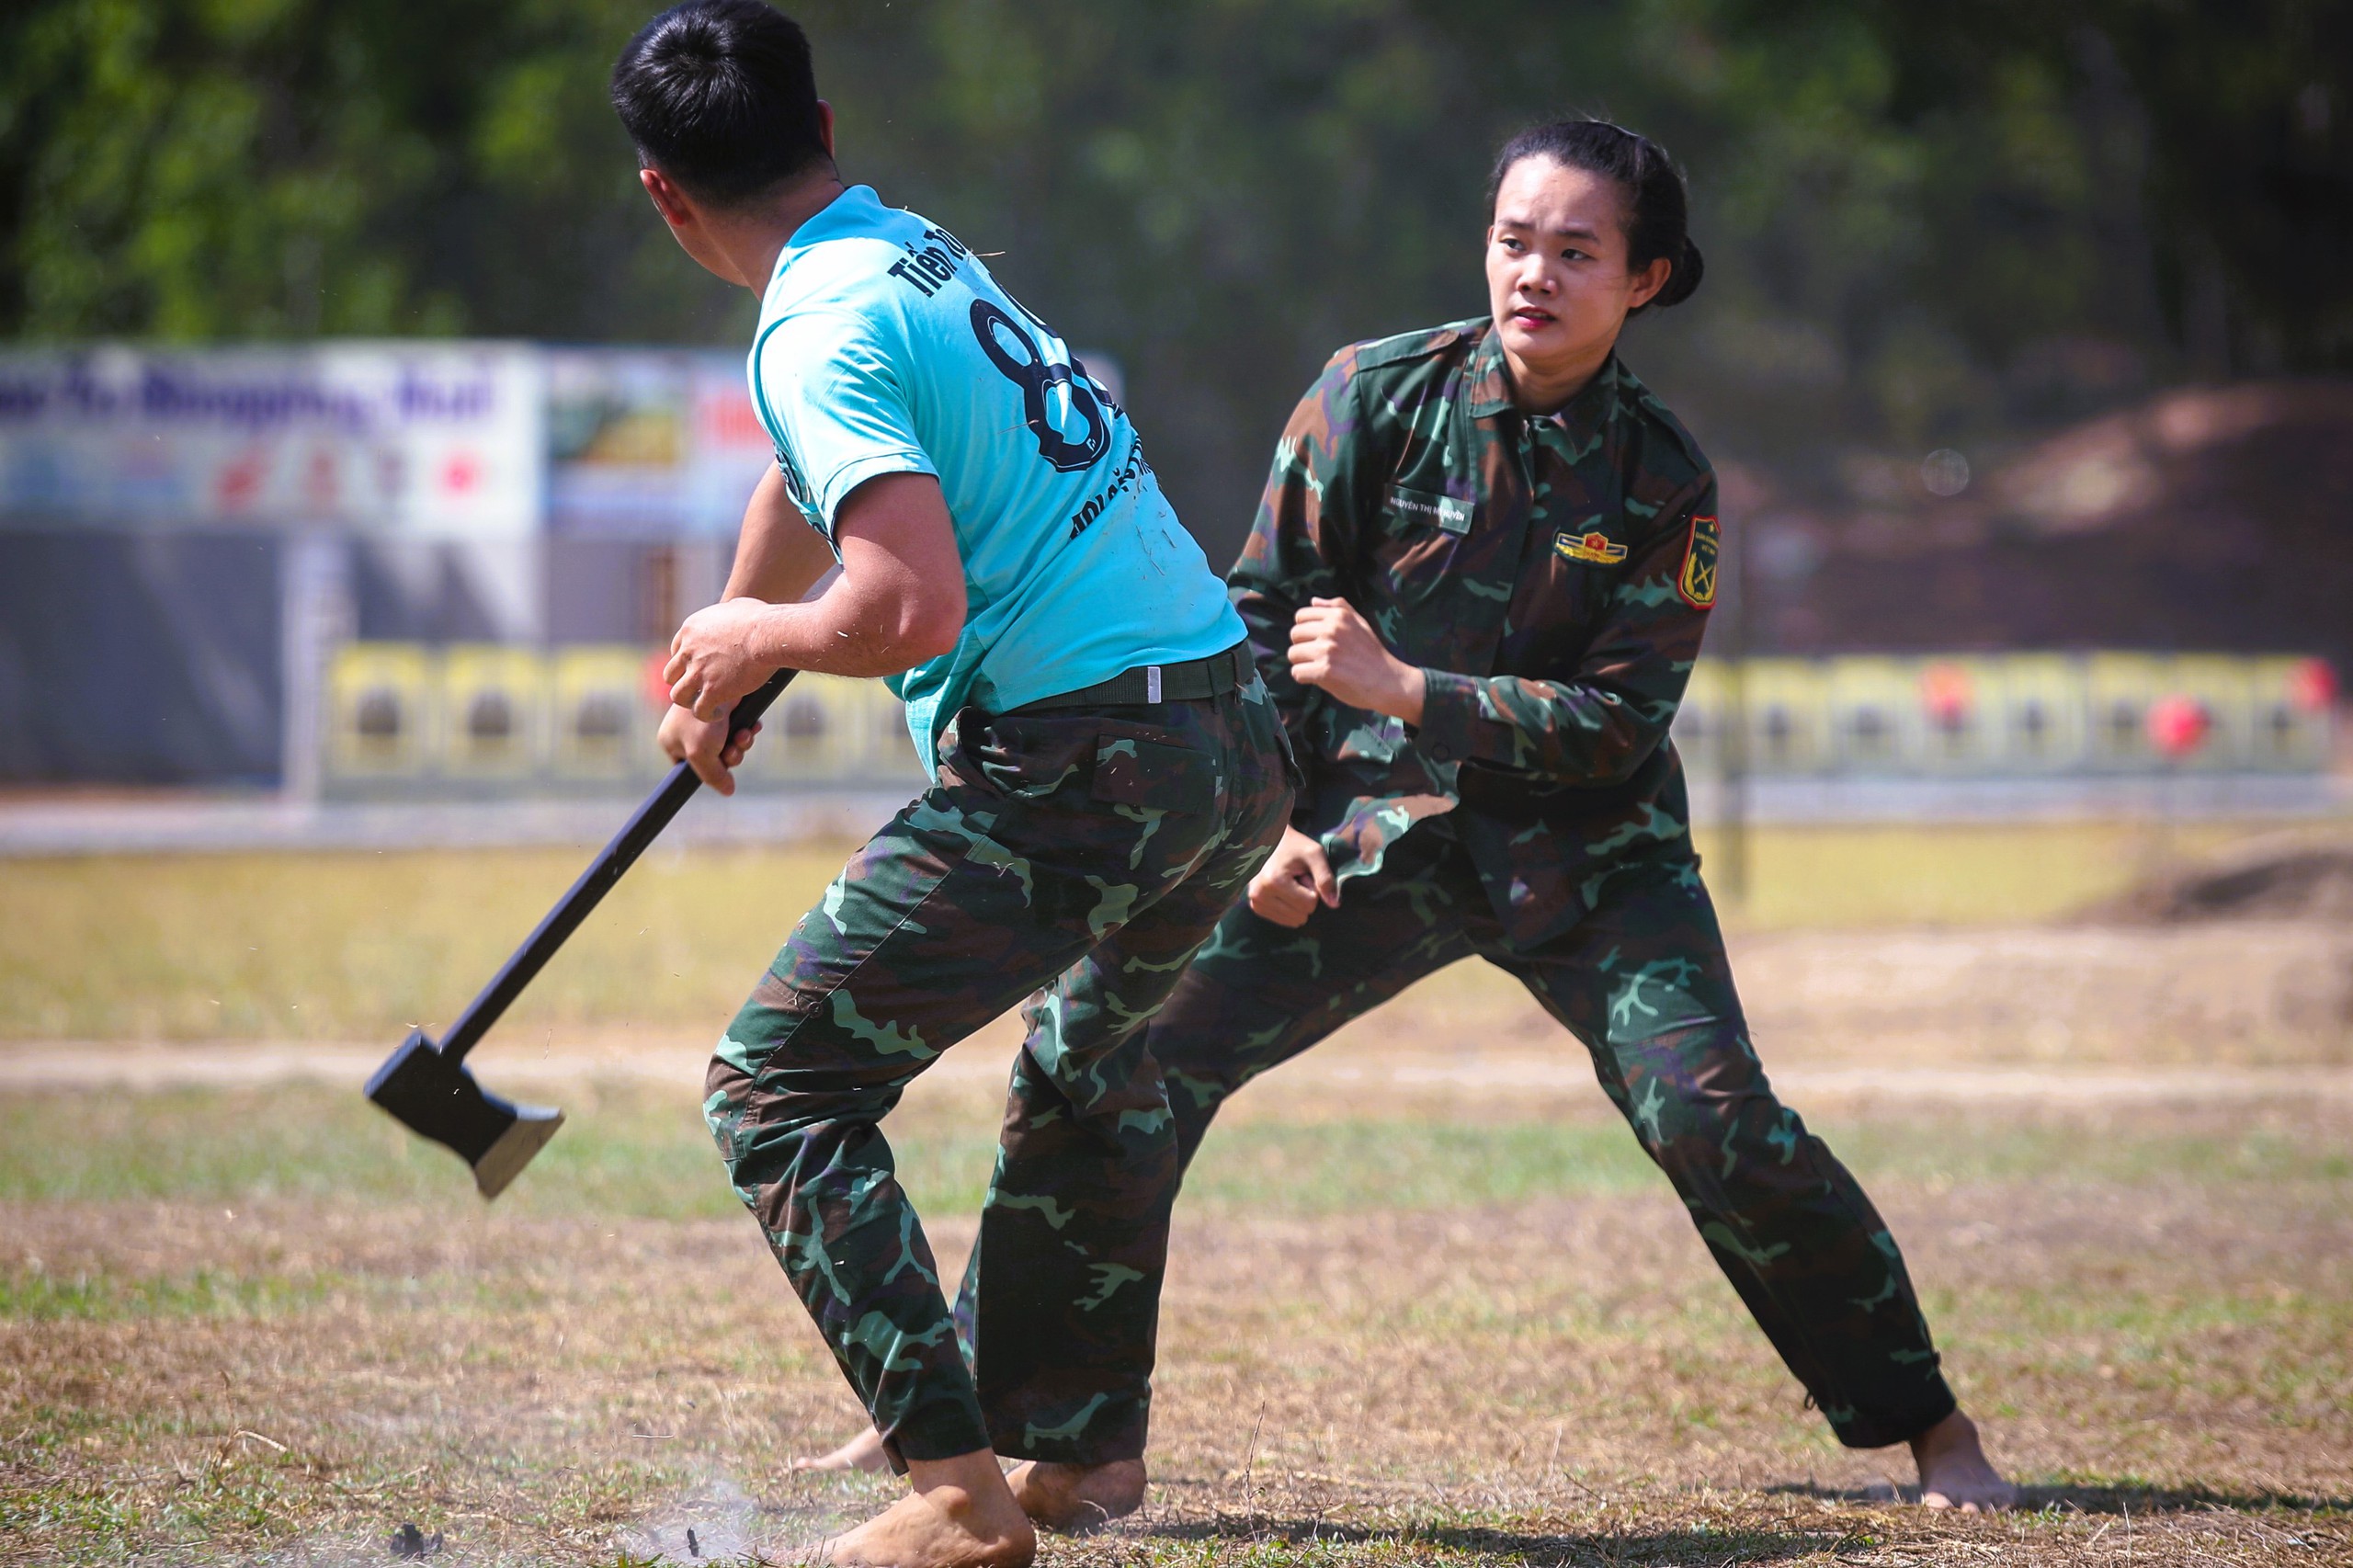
426	1085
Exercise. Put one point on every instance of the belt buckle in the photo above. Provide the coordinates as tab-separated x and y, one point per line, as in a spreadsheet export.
1152	683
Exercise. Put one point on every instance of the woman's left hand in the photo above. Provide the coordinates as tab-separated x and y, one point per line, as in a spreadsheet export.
1334	647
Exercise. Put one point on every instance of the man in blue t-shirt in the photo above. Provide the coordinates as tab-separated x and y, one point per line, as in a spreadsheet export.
1108	773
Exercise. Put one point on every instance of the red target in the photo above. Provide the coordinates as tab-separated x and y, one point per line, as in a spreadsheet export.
2179	726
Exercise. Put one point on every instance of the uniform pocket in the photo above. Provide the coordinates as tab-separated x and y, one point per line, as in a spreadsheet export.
1414	553
1021	756
1135	770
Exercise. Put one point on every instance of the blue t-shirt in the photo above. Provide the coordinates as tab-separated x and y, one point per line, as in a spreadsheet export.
886	347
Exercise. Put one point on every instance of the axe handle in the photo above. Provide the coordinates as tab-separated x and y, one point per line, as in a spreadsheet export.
595	882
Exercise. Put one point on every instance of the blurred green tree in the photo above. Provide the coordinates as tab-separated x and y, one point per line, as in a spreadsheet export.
195	170
1924	225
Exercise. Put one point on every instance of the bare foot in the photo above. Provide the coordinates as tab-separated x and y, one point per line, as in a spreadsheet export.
960	1516
1077	1498
1955	1472
861	1452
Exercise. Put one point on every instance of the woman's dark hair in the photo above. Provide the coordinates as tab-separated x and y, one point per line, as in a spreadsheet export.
1657	207
719	96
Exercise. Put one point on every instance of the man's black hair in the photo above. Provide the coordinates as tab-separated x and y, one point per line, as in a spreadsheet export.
719	96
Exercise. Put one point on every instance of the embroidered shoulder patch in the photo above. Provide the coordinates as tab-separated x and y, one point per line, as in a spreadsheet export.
1697	582
1597	547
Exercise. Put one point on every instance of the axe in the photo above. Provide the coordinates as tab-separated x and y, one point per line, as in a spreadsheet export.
426	1087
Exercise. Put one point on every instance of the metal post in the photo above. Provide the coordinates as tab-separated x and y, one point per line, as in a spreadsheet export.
314	617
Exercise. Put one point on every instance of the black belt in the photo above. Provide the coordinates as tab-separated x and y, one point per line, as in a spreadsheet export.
1188	682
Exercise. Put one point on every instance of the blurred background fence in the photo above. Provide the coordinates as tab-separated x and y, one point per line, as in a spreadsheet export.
389	571
409	719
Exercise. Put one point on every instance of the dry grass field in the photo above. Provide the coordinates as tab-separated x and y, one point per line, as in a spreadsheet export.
1428	1303
356	945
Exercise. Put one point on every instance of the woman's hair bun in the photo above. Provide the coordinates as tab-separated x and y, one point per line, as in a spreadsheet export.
1684	281
1657	205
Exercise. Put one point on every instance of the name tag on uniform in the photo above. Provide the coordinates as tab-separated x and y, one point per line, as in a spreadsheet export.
1446	511
1596	547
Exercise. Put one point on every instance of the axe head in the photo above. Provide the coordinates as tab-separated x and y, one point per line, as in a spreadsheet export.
438	1098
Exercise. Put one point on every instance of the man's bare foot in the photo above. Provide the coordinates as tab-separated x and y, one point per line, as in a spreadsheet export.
961	1515
1955	1472
1077	1498
861	1452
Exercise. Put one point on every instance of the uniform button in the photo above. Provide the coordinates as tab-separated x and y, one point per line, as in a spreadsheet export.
1441	752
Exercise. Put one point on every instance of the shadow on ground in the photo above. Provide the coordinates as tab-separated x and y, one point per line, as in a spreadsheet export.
2096	1498
1539	1550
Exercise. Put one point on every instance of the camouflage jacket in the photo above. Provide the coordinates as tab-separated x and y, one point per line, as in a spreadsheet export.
1552	576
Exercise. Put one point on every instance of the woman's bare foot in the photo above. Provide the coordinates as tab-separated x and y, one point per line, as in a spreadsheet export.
1955	1472
961	1515
861	1452
1077	1498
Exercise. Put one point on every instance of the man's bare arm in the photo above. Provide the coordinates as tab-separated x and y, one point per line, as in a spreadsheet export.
779	557
899	601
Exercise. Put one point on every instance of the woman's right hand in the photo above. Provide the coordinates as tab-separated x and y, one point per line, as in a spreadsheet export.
1295	879
705	744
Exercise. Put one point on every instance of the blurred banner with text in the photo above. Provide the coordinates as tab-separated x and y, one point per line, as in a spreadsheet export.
414	440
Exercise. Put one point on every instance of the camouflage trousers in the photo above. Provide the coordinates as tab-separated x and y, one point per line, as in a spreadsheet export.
1088	852
1643	981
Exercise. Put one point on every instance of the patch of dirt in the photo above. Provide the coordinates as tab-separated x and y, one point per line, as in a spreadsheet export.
2235	993
2147	1000
2114	534
2295	878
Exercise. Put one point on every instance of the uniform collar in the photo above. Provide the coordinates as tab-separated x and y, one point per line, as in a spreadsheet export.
1591	409
1488	387
855	209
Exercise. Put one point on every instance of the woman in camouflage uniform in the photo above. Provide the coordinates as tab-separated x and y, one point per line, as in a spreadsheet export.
1477	584
1476	587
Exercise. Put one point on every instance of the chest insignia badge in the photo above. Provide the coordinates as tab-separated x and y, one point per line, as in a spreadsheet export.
1597	547
1697	582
